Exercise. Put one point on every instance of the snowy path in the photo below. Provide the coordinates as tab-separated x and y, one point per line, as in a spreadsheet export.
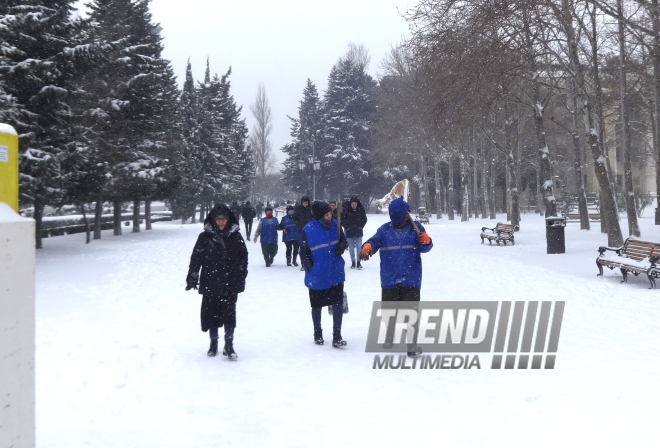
121	361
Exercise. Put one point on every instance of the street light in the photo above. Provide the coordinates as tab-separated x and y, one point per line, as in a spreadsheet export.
314	165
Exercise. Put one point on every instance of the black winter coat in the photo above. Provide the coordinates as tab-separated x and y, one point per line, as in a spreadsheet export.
248	212
222	257
302	215
353	221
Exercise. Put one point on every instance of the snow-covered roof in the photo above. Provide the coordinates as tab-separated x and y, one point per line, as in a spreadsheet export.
7	129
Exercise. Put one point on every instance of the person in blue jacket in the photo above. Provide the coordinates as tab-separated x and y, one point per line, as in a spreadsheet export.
400	255
267	229
290	236
321	249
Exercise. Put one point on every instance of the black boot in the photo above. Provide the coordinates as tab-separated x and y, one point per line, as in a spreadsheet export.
294	262
228	351
213	349
288	261
352	265
318	337
337	341
359	266
267	260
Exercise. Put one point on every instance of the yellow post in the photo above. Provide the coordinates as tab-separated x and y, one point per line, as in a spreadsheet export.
9	166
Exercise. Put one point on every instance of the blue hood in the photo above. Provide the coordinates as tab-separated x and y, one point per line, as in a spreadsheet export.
398	209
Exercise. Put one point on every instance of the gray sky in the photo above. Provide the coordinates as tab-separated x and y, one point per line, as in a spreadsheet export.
280	43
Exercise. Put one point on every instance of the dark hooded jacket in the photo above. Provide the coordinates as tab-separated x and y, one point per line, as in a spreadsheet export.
221	255
302	215
353	221
248	212
236	209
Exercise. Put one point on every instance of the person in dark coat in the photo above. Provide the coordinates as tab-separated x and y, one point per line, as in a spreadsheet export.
267	230
221	255
302	214
290	236
259	208
400	256
333	206
353	220
321	249
236	209
249	214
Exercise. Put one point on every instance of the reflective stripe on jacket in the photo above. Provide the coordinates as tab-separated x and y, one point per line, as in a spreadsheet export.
318	244
400	260
291	230
269	230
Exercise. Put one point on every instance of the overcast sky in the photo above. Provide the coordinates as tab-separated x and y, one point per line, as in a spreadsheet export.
280	43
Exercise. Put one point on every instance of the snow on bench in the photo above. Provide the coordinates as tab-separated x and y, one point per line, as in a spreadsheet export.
575	217
501	233
636	256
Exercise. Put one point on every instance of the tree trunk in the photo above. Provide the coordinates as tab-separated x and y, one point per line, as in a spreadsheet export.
514	210
424	191
86	222
598	106
38	218
655	16
116	217
202	210
136	216
98	212
614	236
629	191
147	214
484	182
465	191
577	164
491	183
450	191
193	214
438	189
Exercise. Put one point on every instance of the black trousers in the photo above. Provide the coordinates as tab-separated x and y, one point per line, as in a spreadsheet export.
291	245
248	228
400	294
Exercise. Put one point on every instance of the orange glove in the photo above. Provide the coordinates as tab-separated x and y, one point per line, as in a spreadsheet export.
366	252
424	239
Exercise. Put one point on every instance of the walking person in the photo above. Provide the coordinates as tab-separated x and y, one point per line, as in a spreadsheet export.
353	219
267	230
236	209
259	208
400	257
302	215
333	206
321	247
221	255
248	214
290	236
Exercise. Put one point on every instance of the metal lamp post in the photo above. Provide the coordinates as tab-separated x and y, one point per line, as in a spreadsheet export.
314	165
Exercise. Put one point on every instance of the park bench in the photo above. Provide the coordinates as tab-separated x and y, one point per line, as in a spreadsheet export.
575	217
636	256
501	233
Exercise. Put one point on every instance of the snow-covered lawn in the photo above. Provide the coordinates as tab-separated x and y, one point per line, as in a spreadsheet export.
121	361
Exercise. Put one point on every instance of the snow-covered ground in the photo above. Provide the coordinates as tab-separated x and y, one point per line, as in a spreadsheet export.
121	361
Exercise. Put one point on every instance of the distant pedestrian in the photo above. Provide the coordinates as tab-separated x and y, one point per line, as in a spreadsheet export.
221	255
302	214
259	209
333	206
267	230
290	236
236	209
249	214
353	220
321	247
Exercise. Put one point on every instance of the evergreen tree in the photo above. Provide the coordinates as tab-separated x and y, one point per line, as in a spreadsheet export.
306	131
348	107
134	93
40	51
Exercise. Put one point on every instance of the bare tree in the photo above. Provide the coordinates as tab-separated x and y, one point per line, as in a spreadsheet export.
259	139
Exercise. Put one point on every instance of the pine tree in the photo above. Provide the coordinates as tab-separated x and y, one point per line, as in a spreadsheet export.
348	108
306	131
39	47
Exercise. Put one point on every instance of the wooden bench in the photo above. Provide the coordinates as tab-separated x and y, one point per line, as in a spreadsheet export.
575	217
636	256
501	233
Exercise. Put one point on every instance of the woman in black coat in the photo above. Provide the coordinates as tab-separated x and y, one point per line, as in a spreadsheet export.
221	254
